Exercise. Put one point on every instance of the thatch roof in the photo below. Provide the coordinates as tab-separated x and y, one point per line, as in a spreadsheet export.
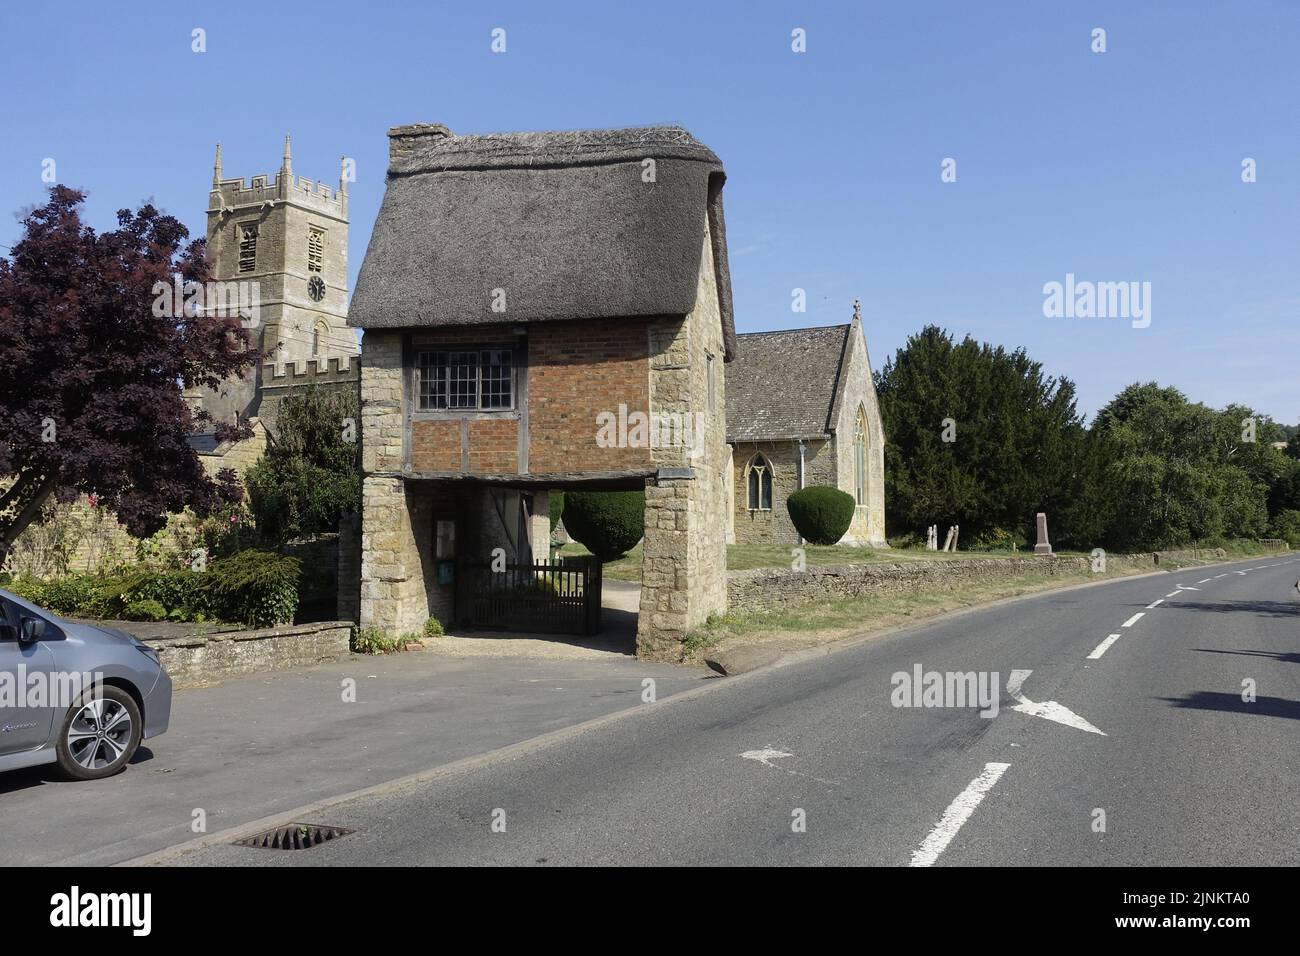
562	221
782	385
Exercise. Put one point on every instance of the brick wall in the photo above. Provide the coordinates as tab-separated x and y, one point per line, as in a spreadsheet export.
577	370
435	445
494	446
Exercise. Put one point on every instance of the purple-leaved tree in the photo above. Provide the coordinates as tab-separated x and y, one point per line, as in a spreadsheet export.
91	377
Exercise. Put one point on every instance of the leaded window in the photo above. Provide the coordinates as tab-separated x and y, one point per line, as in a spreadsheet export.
860	457
466	379
760	484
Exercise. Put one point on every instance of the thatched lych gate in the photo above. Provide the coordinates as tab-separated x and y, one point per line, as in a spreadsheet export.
559	598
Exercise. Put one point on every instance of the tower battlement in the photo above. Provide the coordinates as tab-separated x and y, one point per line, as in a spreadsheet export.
281	186
318	370
237	193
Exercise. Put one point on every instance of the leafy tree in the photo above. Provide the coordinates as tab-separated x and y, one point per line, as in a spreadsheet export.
91	377
1019	442
1182	472
310	474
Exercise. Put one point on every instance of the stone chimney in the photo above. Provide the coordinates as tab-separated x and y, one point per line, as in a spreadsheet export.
403	140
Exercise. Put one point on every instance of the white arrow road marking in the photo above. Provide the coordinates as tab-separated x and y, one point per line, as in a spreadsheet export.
1102	647
766	756
1134	619
1049	709
958	812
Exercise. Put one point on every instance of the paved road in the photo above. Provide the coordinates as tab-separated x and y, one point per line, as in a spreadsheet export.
256	746
1184	770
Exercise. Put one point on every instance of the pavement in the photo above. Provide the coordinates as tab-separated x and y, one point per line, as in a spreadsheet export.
1121	738
254	746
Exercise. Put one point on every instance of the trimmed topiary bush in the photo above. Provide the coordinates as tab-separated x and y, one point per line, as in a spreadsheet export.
606	523
820	514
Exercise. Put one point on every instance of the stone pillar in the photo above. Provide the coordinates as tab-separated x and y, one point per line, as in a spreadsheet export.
684	566
681	584
1043	546
539	526
393	596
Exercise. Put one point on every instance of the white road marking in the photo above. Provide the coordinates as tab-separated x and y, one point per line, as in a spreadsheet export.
1156	603
1203	580
958	812
765	756
1050	710
1172	594
1102	647
1134	619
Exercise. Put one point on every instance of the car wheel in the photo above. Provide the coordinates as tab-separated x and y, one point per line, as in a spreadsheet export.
99	735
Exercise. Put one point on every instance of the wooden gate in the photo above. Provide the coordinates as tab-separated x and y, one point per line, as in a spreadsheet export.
559	598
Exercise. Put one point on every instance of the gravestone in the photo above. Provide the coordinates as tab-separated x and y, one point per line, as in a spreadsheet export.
1043	546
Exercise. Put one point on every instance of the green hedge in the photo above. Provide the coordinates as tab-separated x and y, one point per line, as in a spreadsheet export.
258	588
820	514
606	523
1286	525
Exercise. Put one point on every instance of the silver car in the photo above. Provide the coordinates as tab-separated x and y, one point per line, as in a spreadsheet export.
74	694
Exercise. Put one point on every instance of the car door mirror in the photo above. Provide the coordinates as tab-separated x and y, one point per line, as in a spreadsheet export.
33	630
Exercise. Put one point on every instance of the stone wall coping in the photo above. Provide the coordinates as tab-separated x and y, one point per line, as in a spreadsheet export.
258	634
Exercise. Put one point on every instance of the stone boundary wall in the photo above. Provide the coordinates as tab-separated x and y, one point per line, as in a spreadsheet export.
1190	554
766	589
200	658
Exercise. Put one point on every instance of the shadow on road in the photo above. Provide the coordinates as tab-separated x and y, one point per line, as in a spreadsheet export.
1285	658
48	773
1261	608
1232	703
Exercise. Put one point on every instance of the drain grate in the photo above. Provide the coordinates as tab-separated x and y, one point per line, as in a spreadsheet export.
295	836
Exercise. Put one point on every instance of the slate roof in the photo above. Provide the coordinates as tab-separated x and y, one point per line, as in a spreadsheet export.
564	222
782	385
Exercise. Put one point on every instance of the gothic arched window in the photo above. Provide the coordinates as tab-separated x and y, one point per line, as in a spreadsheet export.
860	457
319	336
759	477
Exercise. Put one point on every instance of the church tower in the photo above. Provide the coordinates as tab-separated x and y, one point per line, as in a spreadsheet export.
290	237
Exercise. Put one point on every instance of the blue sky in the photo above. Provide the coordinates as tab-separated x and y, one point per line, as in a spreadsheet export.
1119	166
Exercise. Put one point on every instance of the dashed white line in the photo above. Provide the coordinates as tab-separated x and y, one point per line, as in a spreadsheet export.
1156	603
1102	647
1203	580
958	812
1172	594
1134	619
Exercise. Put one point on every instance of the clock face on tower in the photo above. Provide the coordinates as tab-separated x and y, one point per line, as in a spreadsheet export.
316	288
